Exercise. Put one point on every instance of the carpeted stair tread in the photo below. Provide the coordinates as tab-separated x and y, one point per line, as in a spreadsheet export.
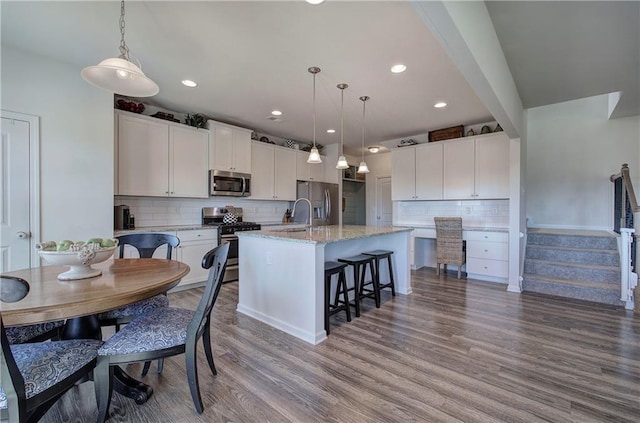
596	256
577	265
573	239
574	282
580	290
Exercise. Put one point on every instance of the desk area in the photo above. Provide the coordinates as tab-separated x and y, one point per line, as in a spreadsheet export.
487	251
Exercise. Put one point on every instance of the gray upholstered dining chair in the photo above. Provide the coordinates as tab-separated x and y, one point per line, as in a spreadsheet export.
450	247
146	244
164	332
30	333
34	376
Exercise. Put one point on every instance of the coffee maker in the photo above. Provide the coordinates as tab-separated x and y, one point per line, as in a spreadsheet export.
121	217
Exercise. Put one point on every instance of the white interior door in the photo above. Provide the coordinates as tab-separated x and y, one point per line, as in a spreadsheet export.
17	214
384	205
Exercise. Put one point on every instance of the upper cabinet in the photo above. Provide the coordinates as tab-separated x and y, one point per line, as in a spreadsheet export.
230	148
309	171
274	172
160	159
477	168
417	173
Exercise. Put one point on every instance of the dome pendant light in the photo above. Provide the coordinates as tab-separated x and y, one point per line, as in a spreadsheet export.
342	161
118	74
363	168
314	154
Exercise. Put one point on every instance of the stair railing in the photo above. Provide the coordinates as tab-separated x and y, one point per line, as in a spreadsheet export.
626	212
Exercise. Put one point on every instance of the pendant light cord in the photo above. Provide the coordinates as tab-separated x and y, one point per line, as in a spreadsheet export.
342	120
364	105
314	110
124	50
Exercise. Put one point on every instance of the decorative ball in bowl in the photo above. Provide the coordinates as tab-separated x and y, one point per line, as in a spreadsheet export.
79	256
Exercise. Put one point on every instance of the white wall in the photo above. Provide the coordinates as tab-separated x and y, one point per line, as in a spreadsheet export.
572	149
76	143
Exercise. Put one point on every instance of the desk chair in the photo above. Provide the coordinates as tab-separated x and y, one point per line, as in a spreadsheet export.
164	332
450	248
27	392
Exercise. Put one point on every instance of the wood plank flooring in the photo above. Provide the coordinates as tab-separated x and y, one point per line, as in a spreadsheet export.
453	351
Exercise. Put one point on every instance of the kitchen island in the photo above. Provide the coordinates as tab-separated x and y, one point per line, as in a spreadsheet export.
282	271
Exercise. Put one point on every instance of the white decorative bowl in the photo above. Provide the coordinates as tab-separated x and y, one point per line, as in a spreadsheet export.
80	260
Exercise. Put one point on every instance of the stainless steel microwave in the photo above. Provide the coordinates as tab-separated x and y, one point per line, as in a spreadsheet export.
229	183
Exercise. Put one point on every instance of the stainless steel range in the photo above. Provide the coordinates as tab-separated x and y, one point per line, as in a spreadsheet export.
229	220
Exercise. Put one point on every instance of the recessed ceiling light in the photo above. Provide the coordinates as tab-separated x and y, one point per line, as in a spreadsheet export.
331	131
440	105
399	68
314	2
189	83
374	149
276	113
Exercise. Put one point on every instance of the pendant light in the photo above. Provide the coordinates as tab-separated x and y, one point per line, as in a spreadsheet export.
118	74
363	165
342	161
314	154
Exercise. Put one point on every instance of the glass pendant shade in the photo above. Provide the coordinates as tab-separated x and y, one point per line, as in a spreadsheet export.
314	156
342	163
363	168
120	76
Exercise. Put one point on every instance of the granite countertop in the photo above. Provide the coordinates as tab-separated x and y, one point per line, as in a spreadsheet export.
167	228
325	234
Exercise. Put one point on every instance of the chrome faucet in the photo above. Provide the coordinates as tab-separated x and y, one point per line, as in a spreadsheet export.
293	212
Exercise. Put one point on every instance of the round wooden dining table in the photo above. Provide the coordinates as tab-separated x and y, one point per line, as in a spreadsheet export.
123	281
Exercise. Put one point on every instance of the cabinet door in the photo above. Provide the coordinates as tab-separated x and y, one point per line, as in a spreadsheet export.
241	151
189	164
492	167
429	172
285	174
308	171
459	170
191	253
221	151
143	157
263	165
403	174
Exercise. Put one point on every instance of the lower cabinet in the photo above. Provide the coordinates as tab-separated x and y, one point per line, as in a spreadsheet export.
488	255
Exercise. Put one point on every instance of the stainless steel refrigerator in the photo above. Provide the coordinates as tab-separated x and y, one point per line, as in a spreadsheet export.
323	198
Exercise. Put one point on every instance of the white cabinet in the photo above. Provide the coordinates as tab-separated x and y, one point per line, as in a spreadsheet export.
193	246
477	168
417	173
274	172
160	159
308	171
488	255
230	148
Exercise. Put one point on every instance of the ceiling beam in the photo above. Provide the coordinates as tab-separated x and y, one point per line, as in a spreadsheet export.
465	31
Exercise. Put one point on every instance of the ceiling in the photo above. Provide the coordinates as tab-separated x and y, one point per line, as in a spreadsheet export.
559	51
250	58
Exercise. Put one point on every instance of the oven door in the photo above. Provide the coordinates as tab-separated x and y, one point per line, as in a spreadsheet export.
231	273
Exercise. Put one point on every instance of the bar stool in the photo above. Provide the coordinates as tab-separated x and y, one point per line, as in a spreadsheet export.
334	268
359	264
381	255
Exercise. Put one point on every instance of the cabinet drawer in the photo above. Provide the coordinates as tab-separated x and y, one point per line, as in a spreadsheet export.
497	268
198	235
487	236
488	250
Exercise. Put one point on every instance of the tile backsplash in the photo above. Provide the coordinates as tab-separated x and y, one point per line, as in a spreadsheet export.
473	212
149	211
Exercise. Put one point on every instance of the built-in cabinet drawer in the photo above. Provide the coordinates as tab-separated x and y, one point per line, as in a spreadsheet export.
488	254
198	235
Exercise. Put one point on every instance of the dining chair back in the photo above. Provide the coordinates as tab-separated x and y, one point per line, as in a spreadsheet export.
164	332
449	244
26	391
147	243
14	289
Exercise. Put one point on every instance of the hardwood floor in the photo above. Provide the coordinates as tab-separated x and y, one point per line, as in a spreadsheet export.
453	351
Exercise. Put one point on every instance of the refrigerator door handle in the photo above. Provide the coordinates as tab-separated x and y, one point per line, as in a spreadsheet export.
327	201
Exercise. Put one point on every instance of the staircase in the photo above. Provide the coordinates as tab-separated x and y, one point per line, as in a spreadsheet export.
584	265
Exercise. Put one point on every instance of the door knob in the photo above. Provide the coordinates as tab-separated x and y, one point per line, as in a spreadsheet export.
23	235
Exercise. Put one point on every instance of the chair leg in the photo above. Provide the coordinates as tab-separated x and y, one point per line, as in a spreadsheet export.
437	269
206	341
103	383
145	369
327	295
192	375
356	290
342	281
376	282
393	282
459	270
160	365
